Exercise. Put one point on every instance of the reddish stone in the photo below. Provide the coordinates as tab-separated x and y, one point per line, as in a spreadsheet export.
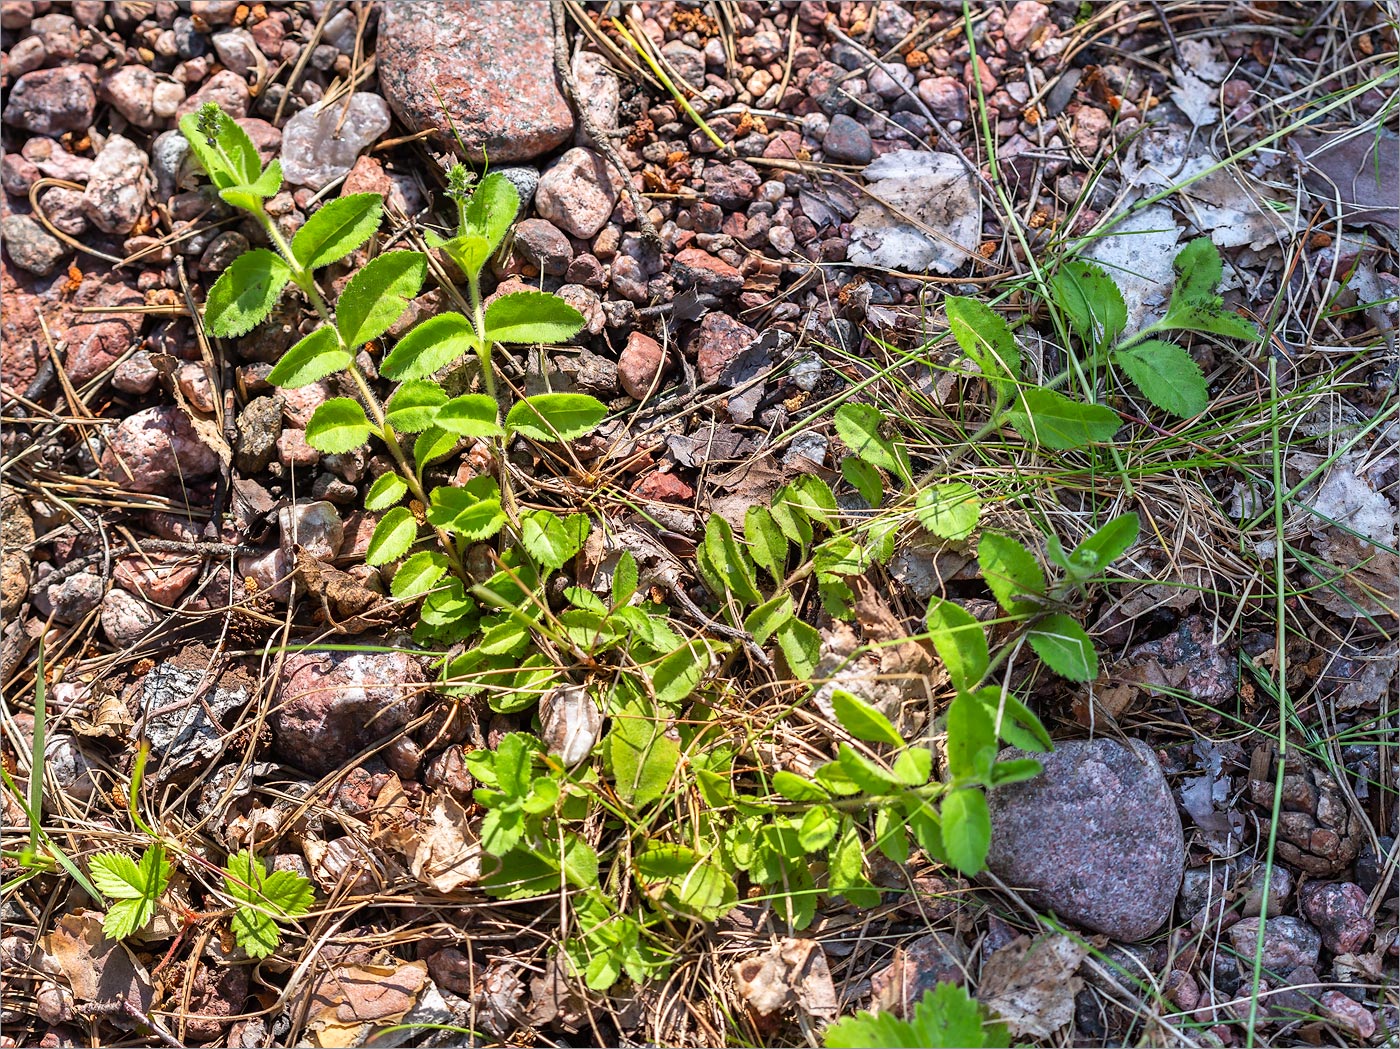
663	487
641	361
717	341
156	449
96	340
490	66
160	578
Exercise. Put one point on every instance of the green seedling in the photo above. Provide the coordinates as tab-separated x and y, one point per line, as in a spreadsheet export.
945	1018
265	901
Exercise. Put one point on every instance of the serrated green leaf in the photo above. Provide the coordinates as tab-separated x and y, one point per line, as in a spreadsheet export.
250	196
339	425
491	209
1064	647
469	251
387	489
531	316
858	425
960	643
265	900
378	294
1194	305
862	720
313	358
865	479
945	1018
1092	303
337	229
556	416
433	444
246	292
470	415
767	544
891	835
1105	546
810	494
1053	420
949	511
552	541
1011	572
418	574
866	774
414	406
1167	376
686	880
116	876
967	829
988	343
392	537
223	149
429	347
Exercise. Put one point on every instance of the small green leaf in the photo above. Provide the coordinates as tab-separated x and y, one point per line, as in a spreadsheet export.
795	788
387	489
551	541
491	209
764	620
132	888
339	425
337	229
1011	572
858	425
531	316
1054	421
972	739
949	511
1167	376
433	444
313	358
791	520
947	1017
556	416
378	294
730	560
801	646
694	885
468	251
865	479
266	900
1015	771
222	148
392	537
246	292
967	829
862	720
1091	301
470	415
414	406
418	574
960	642
1194	305
640	755
1065	647
624	580
431	346
767	544
677	676
810	494
819	826
1013	720
250	196
1105	546
913	766
988	343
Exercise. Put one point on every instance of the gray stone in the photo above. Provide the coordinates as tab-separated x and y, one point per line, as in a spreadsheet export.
320	143
126	619
259	426
1289	943
29	244
542	243
1096	837
525	180
846	140
178	694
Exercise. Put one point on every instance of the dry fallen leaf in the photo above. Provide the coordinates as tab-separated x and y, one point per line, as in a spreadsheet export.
94	968
792	972
348	1002
446	856
1031	986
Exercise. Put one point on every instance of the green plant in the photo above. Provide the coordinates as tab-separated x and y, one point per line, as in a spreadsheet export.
1095	318
134	888
634	800
264	901
945	1018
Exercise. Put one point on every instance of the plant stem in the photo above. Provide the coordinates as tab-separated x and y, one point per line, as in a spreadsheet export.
488	379
306	281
